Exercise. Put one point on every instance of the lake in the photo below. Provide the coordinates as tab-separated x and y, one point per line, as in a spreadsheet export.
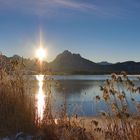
78	92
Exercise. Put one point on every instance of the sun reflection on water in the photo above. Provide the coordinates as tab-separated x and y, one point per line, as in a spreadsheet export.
40	97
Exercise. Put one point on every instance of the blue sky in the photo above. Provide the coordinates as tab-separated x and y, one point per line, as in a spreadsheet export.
100	30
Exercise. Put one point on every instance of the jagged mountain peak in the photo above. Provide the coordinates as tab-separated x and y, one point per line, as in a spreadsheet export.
68	61
68	53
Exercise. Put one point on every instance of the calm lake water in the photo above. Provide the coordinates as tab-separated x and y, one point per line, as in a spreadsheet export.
79	92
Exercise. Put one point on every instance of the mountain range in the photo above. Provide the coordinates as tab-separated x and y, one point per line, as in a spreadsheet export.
71	63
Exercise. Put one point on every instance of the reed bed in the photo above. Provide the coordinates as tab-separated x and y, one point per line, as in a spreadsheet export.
18	111
16	108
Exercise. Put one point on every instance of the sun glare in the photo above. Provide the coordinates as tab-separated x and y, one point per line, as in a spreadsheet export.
41	54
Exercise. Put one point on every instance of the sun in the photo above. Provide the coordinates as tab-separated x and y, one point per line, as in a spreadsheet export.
41	53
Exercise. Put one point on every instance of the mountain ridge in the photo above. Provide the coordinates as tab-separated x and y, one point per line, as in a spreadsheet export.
72	63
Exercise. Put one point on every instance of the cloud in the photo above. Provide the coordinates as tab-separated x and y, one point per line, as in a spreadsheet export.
42	7
75	5
60	7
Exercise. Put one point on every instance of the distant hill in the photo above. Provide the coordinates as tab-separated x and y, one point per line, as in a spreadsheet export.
129	66
104	63
29	66
71	63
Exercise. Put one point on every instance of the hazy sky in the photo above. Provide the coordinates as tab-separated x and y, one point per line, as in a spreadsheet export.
100	30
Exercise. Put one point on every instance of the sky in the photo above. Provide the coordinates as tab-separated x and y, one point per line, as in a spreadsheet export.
100	30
